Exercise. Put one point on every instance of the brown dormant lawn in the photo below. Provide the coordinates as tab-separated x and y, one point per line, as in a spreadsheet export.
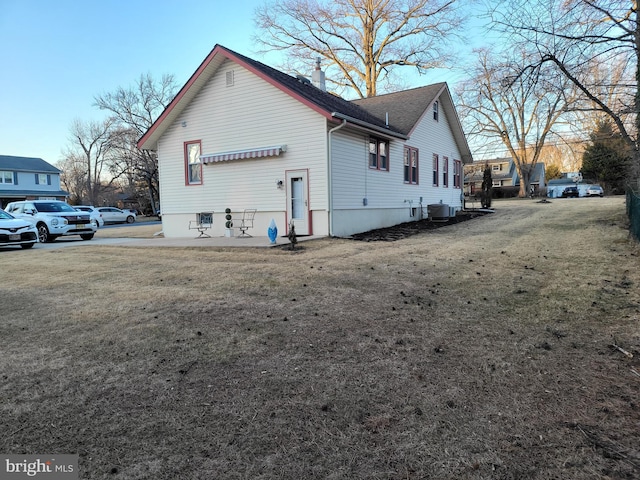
481	350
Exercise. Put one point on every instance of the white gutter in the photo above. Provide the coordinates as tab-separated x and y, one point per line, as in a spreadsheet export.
329	176
368	126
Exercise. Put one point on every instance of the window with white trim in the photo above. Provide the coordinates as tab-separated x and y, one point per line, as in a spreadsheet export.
436	110
378	154
193	166
6	177
43	179
410	165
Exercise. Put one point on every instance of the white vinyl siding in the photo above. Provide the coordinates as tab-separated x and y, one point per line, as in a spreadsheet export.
353	180
364	198
436	138
248	114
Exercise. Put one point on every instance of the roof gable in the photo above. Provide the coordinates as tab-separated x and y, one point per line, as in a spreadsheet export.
325	103
26	164
405	108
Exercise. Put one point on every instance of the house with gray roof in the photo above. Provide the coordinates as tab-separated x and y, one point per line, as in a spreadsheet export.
242	135
28	178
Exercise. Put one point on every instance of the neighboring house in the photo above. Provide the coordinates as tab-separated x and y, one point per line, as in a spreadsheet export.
504	176
26	178
241	135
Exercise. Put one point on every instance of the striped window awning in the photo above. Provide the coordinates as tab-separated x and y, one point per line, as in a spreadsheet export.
240	154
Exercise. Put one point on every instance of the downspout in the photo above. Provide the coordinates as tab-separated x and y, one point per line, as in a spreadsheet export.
329	176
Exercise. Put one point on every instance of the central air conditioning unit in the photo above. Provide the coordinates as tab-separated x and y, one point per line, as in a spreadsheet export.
438	212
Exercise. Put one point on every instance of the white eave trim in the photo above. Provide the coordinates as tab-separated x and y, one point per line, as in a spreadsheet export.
259	152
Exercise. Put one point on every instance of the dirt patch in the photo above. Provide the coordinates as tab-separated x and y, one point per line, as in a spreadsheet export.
408	229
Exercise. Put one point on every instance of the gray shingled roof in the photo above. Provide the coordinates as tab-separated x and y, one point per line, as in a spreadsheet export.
404	108
26	164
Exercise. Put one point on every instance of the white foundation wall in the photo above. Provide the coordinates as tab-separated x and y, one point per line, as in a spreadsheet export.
179	223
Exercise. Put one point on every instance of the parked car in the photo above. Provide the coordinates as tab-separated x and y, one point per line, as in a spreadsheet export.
115	215
570	192
595	191
16	231
93	211
54	219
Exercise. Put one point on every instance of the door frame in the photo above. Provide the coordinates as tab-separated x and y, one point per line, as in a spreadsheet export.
289	175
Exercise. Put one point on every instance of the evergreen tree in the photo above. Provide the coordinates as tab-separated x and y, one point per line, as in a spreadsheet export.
607	159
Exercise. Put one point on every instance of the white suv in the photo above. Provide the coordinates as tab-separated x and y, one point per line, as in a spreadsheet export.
54	218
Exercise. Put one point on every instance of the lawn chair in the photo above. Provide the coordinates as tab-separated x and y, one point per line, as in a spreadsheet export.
247	222
202	223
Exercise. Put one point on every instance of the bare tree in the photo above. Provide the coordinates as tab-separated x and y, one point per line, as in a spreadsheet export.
92	145
518	110
595	44
362	40
73	177
135	109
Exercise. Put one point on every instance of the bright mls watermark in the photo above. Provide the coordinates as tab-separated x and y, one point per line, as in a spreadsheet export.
49	467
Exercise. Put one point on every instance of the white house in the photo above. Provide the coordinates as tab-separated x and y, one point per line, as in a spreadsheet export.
28	178
241	135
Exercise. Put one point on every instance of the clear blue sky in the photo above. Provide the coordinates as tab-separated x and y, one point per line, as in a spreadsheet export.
57	55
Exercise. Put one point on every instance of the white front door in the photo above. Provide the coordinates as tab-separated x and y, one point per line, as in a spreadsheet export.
298	201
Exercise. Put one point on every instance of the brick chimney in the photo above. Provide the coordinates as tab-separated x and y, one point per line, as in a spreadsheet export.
317	78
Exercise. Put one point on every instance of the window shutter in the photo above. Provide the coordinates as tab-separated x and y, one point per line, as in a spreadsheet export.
15	178
48	179
37	179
